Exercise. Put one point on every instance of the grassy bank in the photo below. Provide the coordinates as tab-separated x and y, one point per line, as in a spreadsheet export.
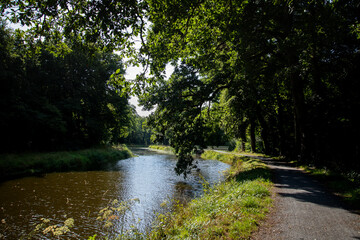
344	185
162	148
18	165
229	210
222	157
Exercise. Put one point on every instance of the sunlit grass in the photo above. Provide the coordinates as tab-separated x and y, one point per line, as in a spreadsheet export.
251	153
14	165
162	148
223	157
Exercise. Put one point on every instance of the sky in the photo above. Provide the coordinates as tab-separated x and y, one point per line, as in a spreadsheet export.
131	73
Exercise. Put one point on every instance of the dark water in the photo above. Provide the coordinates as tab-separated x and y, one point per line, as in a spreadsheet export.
150	177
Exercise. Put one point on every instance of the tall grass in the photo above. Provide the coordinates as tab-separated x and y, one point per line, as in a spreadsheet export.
17	165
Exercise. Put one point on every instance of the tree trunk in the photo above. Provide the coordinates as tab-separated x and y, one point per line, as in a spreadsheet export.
243	136
242	145
252	136
284	150
299	114
291	54
264	132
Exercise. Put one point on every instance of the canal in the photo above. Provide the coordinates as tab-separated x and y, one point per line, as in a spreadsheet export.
149	177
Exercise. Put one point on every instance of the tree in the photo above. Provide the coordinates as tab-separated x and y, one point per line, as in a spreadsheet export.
182	116
105	23
59	98
139	132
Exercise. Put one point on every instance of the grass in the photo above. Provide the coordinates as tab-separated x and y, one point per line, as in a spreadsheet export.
253	154
162	148
229	210
344	185
223	157
18	165
235	152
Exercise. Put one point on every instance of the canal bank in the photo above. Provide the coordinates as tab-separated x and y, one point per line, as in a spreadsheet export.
28	164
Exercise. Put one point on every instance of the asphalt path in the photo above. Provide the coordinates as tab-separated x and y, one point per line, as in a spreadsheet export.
303	209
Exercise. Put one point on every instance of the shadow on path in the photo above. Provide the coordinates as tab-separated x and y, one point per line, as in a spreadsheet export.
304	188
305	210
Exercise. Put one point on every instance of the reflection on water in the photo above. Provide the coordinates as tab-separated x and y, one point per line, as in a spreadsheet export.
150	177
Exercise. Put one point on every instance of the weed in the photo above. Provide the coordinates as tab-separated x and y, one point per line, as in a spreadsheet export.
44	228
117	211
111	217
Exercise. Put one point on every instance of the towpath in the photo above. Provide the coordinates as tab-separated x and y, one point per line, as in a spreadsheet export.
303	209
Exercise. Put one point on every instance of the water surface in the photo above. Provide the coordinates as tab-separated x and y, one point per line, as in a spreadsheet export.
149	177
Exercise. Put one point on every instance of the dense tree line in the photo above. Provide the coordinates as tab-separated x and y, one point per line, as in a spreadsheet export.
139	133
58	95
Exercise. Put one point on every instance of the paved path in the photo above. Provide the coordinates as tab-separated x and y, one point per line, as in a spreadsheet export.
304	210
